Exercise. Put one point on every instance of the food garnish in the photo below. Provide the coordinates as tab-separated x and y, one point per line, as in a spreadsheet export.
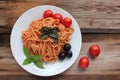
50	32
35	59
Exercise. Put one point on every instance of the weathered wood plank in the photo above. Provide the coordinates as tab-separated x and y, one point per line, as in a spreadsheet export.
60	77
81	9
3	20
107	63
86	25
3	4
93	16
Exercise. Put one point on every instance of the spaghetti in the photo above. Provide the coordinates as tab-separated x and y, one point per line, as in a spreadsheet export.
47	48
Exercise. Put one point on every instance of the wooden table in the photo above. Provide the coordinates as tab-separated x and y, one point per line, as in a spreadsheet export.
99	21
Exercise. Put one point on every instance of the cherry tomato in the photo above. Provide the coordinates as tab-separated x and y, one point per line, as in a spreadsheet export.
94	50
58	16
84	62
48	13
67	22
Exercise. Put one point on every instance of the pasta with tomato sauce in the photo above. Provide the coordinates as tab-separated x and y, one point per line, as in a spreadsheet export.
47	48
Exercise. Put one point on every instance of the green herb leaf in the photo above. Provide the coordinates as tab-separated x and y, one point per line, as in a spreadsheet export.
26	52
56	28
39	64
54	32
50	32
44	36
44	29
36	57
53	35
28	60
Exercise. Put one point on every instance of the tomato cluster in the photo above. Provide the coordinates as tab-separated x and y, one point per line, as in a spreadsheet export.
94	50
66	21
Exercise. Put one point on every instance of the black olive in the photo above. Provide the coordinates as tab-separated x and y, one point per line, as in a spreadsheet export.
69	54
62	56
67	47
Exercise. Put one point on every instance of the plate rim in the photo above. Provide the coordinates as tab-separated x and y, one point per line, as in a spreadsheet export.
18	20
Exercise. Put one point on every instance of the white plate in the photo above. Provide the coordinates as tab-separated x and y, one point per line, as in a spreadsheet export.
17	45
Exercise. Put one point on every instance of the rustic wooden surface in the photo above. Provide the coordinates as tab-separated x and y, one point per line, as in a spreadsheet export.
99	21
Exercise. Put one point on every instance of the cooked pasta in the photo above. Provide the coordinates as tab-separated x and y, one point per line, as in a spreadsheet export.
47	48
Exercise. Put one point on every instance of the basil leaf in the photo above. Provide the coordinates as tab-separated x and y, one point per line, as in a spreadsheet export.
44	29
26	52
28	60
50	32
56	28
36	57
39	64
44	36
53	35
54	32
57	35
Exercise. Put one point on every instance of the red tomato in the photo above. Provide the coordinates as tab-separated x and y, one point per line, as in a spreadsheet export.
58	16
48	13
84	62
67	22
94	50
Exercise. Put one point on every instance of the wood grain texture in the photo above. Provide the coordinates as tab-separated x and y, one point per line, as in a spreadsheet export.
96	16
108	63
61	77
